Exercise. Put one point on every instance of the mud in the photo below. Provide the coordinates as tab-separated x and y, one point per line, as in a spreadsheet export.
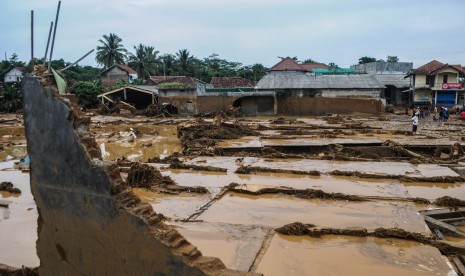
9	187
305	194
179	165
14	271
252	169
447	201
295	229
145	176
434	179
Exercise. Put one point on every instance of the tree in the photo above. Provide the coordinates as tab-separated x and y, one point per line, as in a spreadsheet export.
144	61
168	64
111	51
87	92
11	99
366	59
184	60
309	60
392	59
333	65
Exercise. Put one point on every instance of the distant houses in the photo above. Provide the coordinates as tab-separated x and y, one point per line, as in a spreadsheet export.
111	76
437	83
292	88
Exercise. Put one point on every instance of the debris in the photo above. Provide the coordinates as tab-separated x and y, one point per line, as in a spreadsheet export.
294	229
9	187
250	169
447	201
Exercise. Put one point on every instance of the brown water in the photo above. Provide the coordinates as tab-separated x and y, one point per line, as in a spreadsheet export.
278	210
235	245
325	166
337	255
433	191
164	144
173	206
18	223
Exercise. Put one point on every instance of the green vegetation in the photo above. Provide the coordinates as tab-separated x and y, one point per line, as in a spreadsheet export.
111	51
11	99
87	92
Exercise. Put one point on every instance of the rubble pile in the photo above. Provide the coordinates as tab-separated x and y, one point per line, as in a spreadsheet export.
9	187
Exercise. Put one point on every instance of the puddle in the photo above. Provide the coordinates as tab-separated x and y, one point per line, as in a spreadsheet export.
239	244
18	223
278	210
163	143
172	206
326	166
336	255
433	191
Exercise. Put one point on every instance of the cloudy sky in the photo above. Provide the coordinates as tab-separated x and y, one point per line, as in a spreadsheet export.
246	31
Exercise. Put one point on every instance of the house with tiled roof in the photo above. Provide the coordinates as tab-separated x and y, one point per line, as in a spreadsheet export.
289	65
14	75
436	83
110	76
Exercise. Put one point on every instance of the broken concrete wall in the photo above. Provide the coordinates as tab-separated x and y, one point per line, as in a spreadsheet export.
185	104
87	222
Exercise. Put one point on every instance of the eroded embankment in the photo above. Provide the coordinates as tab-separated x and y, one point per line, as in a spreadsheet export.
301	229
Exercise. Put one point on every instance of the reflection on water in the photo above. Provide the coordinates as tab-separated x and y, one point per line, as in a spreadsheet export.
341	255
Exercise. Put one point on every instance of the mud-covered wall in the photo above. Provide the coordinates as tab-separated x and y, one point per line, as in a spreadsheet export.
89	223
186	104
214	103
293	105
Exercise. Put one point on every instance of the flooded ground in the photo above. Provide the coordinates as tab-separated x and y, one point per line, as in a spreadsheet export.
330	173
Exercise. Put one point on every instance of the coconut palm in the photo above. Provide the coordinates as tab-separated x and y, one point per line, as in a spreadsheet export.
184	61
144	61
111	51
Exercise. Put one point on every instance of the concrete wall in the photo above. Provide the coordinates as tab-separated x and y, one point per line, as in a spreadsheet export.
303	106
112	76
89	222
351	93
214	103
422	95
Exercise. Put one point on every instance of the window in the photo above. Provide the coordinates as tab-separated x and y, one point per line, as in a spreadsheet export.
430	80
444	78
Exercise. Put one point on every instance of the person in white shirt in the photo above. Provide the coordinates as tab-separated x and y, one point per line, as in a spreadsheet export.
414	124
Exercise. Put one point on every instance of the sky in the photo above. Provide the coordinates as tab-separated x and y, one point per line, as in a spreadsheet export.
245	31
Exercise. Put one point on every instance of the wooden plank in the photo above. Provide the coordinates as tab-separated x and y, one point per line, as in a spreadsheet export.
445	228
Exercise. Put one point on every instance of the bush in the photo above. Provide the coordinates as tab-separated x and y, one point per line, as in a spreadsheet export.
87	92
11	100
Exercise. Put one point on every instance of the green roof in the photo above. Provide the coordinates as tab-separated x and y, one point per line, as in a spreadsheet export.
334	71
235	89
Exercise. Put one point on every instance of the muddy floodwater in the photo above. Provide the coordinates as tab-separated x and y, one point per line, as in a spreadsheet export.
229	195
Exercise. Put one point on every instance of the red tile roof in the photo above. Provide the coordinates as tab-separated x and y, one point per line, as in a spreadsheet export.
180	79
429	67
21	68
287	64
126	68
226	82
310	66
459	68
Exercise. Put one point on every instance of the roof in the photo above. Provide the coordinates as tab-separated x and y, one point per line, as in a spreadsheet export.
274	81
433	66
179	79
125	68
428	68
287	64
229	82
310	66
393	79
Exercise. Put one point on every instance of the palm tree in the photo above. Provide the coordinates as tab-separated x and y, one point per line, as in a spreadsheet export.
184	60
111	51
144	61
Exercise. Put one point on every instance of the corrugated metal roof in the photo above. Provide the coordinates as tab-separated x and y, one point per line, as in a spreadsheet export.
273	81
395	80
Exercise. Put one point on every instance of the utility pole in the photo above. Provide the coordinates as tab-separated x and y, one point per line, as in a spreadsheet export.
53	39
32	39
48	42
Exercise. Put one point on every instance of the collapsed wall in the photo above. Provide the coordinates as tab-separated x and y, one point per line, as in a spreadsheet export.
89	221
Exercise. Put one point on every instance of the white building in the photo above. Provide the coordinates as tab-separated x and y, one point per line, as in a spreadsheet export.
14	75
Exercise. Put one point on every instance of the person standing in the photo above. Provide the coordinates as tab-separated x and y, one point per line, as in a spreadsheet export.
414	124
